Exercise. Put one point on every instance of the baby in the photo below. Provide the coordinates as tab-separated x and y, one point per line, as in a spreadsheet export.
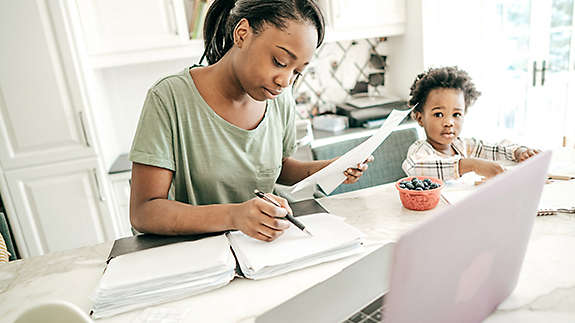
440	98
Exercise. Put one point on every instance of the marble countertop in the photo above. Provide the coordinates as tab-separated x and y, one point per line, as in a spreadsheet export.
545	291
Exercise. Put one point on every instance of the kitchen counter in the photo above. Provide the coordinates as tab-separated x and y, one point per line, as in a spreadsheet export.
545	291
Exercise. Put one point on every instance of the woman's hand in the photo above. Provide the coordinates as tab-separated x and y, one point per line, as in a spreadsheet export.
261	219
523	153
353	174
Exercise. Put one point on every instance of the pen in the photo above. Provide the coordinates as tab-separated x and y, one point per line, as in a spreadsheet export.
560	177
289	217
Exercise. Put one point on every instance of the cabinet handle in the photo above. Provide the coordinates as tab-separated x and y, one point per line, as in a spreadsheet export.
171	15
98	186
84	132
534	73
543	73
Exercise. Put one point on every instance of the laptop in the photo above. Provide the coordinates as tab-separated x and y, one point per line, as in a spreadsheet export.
458	266
462	263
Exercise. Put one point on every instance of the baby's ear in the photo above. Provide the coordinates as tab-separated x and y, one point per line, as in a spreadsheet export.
417	116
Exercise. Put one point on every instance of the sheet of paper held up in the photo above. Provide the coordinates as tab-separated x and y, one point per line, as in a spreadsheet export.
331	176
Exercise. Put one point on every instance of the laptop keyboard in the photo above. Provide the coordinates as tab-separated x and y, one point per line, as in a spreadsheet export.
369	314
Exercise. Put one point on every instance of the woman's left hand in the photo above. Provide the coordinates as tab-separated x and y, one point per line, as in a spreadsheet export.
353	174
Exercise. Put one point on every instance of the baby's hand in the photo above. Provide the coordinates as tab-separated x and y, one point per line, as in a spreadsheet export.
486	168
481	167
523	153
353	174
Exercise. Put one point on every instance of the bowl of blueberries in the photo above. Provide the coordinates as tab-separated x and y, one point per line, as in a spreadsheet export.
419	193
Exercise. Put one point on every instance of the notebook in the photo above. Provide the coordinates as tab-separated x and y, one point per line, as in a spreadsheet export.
182	268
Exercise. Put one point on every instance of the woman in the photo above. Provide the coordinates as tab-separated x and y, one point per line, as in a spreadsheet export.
216	133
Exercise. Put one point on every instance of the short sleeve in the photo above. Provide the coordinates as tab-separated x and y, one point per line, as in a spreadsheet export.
153	141
289	138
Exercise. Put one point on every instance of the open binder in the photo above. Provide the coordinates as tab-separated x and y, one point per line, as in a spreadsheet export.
147	270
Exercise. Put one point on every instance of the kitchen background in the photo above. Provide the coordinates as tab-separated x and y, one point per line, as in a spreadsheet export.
74	74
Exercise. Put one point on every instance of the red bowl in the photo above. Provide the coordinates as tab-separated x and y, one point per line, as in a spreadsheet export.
419	200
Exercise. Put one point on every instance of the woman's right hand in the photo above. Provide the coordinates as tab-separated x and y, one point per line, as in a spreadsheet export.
261	219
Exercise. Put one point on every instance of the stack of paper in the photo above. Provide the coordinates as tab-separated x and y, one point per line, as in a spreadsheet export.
174	271
332	239
163	274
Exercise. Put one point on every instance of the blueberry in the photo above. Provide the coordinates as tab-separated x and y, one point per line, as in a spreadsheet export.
410	186
414	180
419	189
427	181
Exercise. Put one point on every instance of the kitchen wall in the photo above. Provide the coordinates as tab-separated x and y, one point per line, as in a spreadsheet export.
336	68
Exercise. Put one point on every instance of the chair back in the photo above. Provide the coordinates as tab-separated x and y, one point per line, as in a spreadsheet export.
53	312
385	168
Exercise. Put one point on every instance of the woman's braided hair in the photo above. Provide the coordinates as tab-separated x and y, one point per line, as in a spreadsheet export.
223	16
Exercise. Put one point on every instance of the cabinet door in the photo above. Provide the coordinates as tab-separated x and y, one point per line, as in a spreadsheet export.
378	18
60	206
40	93
121	193
114	26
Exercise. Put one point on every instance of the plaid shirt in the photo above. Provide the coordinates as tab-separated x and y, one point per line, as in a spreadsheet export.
423	160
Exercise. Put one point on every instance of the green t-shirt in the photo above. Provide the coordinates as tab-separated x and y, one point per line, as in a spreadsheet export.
213	161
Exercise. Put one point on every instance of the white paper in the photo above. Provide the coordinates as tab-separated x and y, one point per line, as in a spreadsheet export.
332	239
555	195
153	276
561	162
331	176
174	260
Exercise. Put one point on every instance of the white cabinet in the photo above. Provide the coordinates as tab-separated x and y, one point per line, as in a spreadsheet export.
121	195
49	161
60	206
41	105
353	19
116	33
115	26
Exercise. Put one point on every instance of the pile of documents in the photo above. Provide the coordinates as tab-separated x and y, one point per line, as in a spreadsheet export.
163	274
175	271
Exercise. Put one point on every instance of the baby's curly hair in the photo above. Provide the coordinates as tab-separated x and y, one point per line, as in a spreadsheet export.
449	77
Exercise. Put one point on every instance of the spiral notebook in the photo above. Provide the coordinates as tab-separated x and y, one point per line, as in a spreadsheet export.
177	268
